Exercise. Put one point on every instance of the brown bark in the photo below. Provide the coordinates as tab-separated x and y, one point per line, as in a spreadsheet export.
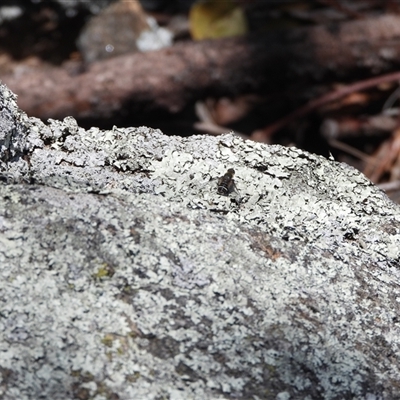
172	78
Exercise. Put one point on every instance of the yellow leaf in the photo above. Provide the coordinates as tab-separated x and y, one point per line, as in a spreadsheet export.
216	19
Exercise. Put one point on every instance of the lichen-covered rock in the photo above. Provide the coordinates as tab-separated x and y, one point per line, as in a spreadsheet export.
126	275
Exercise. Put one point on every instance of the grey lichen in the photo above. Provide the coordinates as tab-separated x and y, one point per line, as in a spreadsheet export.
126	275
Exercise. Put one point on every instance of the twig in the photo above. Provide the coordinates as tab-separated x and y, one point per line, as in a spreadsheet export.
328	98
389	186
208	124
350	150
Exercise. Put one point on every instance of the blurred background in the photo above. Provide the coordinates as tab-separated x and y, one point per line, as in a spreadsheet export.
323	76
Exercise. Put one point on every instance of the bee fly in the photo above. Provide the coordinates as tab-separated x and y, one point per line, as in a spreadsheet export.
226	184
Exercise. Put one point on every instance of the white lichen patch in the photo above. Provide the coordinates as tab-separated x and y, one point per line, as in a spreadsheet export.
160	287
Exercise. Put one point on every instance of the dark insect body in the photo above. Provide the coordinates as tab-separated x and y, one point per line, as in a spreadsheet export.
226	184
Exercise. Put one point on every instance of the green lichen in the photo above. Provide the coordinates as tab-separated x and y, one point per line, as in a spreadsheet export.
108	340
104	271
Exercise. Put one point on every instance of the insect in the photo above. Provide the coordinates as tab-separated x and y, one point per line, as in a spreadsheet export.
226	184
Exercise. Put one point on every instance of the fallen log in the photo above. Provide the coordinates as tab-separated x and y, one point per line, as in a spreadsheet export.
173	78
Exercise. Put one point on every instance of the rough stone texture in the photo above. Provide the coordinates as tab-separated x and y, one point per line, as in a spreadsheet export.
125	275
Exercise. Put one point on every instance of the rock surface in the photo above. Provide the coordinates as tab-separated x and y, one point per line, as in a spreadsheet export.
125	275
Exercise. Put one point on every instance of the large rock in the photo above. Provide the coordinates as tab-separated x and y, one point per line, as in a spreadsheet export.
126	275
